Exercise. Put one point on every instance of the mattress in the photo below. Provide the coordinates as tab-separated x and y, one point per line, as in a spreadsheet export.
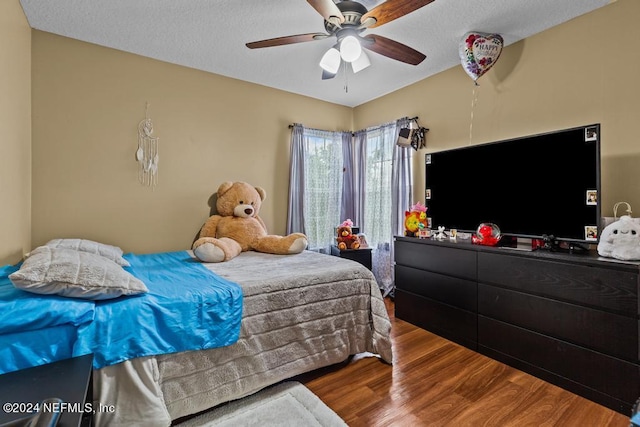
300	313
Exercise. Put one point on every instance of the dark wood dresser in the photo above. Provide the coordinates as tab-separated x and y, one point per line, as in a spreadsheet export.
570	319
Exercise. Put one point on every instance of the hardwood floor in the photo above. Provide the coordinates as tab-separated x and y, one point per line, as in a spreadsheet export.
434	382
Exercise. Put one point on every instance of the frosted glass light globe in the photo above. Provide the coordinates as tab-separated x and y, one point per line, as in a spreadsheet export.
360	63
350	49
331	61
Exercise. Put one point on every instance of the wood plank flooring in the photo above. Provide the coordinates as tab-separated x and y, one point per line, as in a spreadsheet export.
434	382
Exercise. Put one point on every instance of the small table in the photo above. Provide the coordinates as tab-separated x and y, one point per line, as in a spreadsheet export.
69	380
362	255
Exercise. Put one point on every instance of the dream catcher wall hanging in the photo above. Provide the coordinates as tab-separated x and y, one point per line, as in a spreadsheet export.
147	152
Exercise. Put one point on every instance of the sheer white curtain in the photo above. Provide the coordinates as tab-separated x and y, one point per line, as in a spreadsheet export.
378	199
315	185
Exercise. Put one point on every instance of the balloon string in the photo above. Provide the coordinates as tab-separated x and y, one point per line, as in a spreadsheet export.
474	101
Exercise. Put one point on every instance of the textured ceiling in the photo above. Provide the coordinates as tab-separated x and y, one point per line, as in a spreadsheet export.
210	35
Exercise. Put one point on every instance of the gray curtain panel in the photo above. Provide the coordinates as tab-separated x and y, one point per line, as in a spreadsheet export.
295	210
401	193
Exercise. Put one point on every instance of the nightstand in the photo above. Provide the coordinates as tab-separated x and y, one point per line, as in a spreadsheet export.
69	380
363	255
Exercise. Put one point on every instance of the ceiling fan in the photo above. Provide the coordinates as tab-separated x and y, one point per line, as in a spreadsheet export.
346	20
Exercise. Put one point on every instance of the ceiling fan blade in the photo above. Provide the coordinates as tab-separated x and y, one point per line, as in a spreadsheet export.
326	75
392	49
279	41
390	10
328	10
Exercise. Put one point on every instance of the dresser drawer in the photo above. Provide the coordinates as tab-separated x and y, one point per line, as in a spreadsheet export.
599	330
453	291
437	259
606	379
605	288
449	322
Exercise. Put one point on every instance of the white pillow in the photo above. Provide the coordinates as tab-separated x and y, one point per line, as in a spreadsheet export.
76	274
113	253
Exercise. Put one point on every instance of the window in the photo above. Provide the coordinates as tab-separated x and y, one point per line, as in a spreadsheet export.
322	187
377	210
377	188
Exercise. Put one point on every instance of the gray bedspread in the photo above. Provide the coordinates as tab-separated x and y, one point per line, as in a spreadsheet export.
300	313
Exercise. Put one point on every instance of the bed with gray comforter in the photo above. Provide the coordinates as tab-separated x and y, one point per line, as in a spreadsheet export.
300	313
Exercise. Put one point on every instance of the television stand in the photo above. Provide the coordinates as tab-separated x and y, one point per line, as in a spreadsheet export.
554	245
550	243
510	242
578	248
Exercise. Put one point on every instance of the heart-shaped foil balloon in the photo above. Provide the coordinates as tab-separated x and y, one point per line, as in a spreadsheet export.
478	52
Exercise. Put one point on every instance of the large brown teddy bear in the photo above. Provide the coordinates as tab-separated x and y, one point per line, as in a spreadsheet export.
237	227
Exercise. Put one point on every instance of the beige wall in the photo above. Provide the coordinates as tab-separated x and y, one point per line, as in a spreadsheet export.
581	72
87	103
15	132
88	100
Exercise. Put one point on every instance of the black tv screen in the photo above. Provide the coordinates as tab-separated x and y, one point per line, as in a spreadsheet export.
546	184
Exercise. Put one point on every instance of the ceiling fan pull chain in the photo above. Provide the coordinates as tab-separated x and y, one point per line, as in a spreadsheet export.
346	77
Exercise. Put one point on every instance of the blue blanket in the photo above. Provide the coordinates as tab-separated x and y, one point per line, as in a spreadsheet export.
25	311
22	350
187	307
37	329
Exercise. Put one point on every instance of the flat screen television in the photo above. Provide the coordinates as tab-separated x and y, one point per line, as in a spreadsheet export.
534	186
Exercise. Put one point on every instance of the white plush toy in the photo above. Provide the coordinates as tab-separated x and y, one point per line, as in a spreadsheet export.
621	240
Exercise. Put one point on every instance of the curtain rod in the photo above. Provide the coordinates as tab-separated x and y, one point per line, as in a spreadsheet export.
408	118
321	130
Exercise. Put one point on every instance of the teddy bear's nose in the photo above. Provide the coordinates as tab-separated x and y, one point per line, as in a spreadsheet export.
248	211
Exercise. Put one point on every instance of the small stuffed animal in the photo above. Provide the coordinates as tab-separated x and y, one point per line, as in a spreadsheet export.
620	240
415	220
237	227
346	239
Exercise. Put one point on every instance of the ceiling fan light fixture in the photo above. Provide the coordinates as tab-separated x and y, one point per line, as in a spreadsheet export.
361	62
330	61
350	49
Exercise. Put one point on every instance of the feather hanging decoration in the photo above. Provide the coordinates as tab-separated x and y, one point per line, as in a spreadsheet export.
147	153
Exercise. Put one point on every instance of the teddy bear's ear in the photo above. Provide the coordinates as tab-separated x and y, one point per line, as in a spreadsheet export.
224	187
261	192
